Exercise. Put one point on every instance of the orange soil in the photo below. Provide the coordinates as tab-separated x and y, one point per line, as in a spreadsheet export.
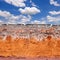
48	47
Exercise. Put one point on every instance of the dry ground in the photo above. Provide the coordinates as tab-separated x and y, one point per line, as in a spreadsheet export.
49	47
12	58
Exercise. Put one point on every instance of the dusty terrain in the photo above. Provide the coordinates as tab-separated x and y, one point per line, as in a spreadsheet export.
48	47
29	42
41	58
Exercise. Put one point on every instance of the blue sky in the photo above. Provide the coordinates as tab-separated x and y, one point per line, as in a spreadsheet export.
30	11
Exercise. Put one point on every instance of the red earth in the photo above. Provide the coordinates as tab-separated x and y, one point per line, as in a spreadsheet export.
29	48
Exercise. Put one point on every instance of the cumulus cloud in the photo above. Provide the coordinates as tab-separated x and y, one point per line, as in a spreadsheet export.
1	22
29	10
8	15
24	19
18	3
38	22
4	13
32	3
54	12
55	3
53	18
12	19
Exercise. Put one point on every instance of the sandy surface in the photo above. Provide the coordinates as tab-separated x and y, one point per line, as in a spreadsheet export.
48	47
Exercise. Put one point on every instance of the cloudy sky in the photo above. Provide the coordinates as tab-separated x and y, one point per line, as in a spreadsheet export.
30	11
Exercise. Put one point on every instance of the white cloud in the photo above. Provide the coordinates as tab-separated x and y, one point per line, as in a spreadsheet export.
35	22
8	15
53	19
32	3
25	19
55	3
18	3
1	22
38	22
29	10
54	12
11	22
4	13
10	18
43	22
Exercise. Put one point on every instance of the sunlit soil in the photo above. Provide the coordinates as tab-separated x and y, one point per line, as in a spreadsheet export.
24	47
